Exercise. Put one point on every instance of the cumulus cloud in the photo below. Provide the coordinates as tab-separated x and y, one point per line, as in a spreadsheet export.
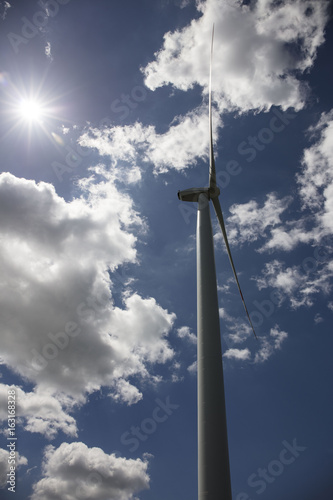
278	276
4	455
239	354
119	143
185	333
178	148
299	283
287	238
182	145
192	369
175	369
260	50
237	330
75	471
315	189
316	178
126	392
60	328
145	324
249	222
38	412
270	344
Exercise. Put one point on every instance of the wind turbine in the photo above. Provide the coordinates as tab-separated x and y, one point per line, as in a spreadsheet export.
213	455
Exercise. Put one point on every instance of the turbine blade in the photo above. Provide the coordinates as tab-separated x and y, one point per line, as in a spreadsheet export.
218	211
212	171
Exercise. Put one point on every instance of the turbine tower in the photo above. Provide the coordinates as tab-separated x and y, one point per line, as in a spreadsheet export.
213	455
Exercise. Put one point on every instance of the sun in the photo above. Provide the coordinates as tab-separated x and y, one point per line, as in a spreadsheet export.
30	110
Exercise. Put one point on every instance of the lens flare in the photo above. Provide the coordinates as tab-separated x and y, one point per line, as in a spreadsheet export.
57	139
4	79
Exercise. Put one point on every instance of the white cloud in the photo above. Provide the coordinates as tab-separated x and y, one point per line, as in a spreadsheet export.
222	312
287	239
60	328
278	336
183	143
265	351
302	282
185	333
48	51
258	64
315	189
275	275
193	368
4	6
75	471
249	222
270	344
126	392
121	143
38	412
299	283
144	324
183	3
239	354
316	179
133	175
4	456
255	63
237	330
317	172
240	331
175	372
178	148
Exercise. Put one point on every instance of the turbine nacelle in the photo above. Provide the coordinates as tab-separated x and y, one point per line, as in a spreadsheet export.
192	194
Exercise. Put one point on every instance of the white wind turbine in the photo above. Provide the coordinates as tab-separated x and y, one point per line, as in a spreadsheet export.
213	455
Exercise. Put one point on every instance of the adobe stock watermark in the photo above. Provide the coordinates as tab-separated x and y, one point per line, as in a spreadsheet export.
128	102
85	311
30	28
248	148
263	477
73	159
140	433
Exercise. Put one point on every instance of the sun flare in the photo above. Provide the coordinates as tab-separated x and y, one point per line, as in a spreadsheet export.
31	110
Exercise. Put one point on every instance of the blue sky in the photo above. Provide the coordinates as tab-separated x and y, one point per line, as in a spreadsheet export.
104	117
